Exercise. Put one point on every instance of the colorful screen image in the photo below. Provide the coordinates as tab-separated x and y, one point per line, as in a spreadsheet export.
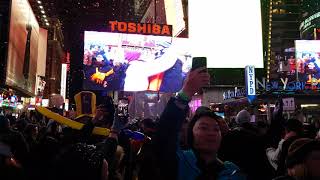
131	62
308	61
8	101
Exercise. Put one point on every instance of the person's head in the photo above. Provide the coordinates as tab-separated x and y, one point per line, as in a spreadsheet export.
294	125
31	130
243	117
105	112
94	48
100	58
224	128
52	127
204	134
303	159
81	162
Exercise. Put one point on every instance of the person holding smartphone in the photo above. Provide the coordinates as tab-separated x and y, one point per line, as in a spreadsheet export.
204	137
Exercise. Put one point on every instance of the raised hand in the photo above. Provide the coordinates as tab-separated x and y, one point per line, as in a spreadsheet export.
195	81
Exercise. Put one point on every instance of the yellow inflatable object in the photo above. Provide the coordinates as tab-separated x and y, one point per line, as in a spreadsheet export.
68	122
85	103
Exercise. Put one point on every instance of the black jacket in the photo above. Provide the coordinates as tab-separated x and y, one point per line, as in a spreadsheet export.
245	147
166	138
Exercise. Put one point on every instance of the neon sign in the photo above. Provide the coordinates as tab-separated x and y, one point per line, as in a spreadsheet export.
141	28
285	85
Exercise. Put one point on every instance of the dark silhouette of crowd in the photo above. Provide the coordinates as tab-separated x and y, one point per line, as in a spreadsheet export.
175	146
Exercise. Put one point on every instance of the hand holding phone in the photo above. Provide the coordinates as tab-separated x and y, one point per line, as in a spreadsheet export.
199	62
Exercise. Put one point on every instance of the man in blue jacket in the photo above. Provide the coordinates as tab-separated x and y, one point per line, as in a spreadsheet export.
204	137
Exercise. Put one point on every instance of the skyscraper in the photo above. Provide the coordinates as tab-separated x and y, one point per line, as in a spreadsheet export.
283	29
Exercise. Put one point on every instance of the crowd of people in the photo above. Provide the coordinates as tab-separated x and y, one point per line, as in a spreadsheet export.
176	146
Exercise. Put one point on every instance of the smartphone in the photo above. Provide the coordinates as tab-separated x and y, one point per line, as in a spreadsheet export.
198	62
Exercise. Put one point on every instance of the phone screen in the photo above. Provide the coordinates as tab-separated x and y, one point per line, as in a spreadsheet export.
198	62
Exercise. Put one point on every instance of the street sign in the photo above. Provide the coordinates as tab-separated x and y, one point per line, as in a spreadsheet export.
288	104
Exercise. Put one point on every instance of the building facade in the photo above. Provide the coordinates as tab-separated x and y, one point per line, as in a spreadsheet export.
281	29
55	57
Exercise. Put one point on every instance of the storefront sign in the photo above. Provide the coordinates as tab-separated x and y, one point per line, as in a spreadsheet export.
250	83
141	28
288	104
236	93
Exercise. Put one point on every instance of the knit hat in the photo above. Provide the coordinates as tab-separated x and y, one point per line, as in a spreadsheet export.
300	149
243	117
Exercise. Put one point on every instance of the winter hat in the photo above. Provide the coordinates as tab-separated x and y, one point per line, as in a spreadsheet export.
300	149
243	117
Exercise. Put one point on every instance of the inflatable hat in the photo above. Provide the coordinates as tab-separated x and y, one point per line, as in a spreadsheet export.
85	104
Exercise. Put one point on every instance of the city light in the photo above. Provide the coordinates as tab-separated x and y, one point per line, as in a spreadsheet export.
309	105
39	2
41	7
42	11
44	16
46	20
20	106
47	24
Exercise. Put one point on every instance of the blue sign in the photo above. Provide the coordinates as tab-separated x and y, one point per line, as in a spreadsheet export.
236	93
250	83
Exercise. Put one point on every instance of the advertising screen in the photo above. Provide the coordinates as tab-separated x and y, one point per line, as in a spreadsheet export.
228	33
23	47
131	62
308	61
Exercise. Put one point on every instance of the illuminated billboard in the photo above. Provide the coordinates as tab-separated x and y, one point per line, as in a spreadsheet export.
22	47
308	61
228	33
132	62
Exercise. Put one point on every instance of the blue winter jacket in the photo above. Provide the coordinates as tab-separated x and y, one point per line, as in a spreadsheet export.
188	169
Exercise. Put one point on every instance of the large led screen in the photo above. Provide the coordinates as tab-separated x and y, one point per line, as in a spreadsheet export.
23	47
308	61
227	32
131	62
